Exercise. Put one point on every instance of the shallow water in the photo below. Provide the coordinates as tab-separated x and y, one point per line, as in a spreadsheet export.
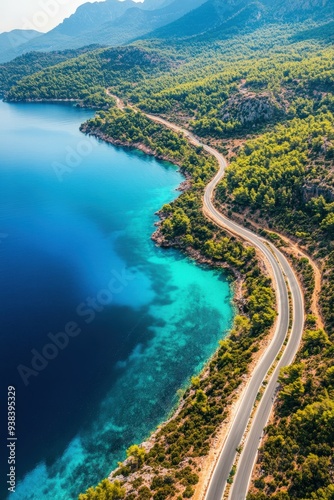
76	216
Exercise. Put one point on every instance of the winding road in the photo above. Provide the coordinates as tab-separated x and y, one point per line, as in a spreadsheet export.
285	281
246	424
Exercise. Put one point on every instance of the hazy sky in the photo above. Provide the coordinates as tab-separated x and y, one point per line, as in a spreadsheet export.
40	15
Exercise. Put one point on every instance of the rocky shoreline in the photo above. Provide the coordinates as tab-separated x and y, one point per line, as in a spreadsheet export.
78	102
86	129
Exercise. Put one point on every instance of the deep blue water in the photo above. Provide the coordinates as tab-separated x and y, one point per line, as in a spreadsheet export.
76	216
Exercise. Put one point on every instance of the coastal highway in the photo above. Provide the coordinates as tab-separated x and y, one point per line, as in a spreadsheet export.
249	453
281	271
284	280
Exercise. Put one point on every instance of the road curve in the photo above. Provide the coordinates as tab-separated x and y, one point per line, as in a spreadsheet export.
282	274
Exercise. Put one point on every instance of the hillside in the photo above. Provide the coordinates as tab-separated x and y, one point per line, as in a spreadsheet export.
135	22
74	78
202	20
12	72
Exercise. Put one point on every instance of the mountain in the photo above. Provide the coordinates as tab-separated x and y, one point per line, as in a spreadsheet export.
87	17
12	41
136	22
215	17
112	22
301	9
15	38
90	16
206	18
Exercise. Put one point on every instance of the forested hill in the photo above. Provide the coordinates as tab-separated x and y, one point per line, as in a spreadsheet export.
77	77
12	72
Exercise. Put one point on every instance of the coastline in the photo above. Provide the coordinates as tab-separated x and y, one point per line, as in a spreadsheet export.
128	472
124	144
234	277
167	194
43	100
79	103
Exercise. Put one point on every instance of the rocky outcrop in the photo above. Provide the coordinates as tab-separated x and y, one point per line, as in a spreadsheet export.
250	109
315	190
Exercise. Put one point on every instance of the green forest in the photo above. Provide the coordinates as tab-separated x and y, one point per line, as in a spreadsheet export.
264	96
32	62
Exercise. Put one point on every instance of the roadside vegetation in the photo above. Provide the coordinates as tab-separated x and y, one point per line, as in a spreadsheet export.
296	460
286	176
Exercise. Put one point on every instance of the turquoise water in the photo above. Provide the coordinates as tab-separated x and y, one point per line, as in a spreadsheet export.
76	216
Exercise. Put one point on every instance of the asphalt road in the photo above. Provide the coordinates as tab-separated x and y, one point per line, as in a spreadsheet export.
281	269
281	272
249	453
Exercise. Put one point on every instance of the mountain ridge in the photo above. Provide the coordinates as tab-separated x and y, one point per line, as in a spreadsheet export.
107	23
11	41
215	13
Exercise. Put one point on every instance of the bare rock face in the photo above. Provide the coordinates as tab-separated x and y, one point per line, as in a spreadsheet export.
250	109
